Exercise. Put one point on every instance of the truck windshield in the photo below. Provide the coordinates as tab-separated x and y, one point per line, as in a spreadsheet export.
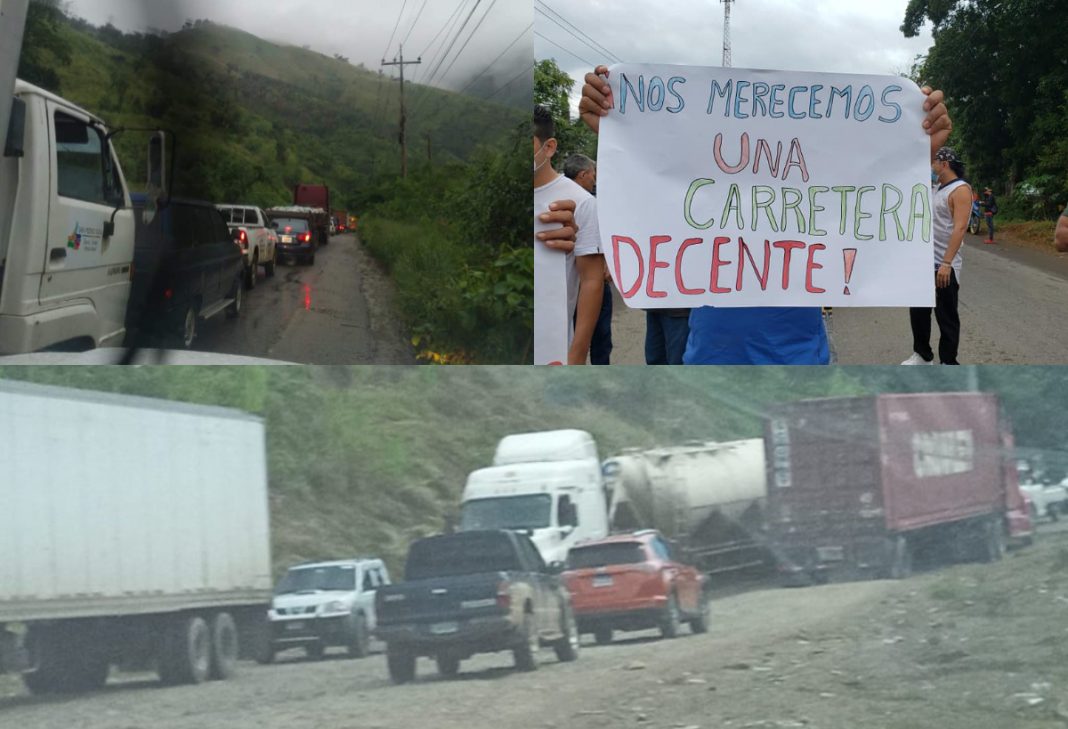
533	511
313	579
602	555
461	554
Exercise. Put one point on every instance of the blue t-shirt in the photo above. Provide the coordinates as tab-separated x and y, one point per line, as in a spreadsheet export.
757	336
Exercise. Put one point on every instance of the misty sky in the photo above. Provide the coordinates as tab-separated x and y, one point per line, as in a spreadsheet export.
853	36
357	29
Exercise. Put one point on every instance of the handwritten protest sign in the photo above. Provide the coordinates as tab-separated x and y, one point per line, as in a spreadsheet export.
550	296
735	187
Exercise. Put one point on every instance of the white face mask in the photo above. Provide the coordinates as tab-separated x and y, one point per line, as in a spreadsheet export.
536	165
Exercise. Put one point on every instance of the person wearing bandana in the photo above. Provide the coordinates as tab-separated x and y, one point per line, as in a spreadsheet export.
951	206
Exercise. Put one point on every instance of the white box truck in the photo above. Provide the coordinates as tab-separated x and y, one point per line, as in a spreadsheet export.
545	484
133	531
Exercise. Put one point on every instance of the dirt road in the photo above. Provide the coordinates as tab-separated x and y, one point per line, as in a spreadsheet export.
965	647
1013	302
336	311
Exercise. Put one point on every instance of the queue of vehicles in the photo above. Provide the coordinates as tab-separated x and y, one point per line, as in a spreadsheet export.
109	567
84	259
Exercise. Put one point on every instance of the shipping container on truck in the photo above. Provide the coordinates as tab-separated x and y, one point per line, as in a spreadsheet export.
316	196
133	531
708	497
859	486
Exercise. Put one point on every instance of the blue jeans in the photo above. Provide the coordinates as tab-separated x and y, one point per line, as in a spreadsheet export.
990	226
665	338
601	343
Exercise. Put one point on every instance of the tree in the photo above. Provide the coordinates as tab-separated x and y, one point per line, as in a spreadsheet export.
1002	66
552	88
44	48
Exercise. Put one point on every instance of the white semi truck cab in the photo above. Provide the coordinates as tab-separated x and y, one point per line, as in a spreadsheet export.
545	484
66	226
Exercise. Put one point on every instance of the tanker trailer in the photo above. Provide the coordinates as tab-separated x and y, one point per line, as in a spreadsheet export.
707	497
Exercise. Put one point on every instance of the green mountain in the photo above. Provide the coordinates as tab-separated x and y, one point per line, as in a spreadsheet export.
251	118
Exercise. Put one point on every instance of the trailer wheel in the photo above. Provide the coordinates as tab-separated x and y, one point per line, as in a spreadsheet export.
401	664
995	541
602	636
186	653
66	662
525	651
669	621
900	559
223	646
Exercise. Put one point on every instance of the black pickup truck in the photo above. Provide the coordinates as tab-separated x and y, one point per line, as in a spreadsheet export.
474	592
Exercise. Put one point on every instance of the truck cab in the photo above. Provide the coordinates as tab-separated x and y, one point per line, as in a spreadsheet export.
66	227
547	485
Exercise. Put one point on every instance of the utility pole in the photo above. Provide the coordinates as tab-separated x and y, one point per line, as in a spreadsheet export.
402	63
726	32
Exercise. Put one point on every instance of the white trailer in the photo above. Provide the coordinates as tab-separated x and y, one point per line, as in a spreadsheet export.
134	531
709	497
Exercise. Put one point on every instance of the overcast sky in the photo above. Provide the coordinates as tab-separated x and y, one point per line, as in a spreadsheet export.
357	29
854	36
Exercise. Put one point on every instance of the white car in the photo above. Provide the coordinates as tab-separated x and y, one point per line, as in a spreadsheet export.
321	604
1046	500
255	233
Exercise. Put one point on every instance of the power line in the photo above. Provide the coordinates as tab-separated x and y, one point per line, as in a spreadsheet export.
456	37
447	28
519	37
395	26
412	27
570	53
573	29
515	78
473	32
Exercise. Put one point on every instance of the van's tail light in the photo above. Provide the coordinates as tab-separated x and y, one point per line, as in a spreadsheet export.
304	237
504	595
168	293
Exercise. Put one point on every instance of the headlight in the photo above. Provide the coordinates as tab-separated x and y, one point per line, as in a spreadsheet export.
337	606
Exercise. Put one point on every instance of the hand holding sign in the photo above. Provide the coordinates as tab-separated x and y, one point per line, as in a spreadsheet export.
733	187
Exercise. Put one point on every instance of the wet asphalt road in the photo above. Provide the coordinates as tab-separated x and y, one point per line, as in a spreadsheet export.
336	311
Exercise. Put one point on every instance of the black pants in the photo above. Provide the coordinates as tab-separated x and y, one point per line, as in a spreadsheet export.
601	343
948	325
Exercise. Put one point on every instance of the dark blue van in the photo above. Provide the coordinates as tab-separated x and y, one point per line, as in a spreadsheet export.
187	268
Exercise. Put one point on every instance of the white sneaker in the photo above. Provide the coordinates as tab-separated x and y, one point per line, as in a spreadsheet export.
916	359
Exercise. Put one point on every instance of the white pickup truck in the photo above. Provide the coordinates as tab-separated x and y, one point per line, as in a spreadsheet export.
322	604
256	235
1046	500
66	225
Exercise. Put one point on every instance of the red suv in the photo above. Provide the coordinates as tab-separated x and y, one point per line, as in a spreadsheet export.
634	582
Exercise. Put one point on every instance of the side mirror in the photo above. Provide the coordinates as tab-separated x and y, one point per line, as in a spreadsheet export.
16	129
157	165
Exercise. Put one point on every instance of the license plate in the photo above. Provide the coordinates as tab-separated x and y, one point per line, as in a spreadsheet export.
443	628
287	239
830	554
604	581
296	625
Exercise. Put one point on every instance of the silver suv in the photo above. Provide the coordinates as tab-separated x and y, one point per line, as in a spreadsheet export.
321	604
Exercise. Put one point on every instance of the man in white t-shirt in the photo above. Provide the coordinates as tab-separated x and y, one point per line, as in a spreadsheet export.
585	264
